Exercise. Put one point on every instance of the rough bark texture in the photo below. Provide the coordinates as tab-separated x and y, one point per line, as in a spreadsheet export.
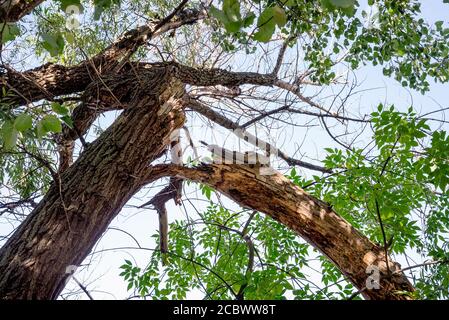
309	217
13	10
61	231
51	80
64	227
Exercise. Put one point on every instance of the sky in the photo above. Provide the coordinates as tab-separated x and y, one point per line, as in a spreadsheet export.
101	276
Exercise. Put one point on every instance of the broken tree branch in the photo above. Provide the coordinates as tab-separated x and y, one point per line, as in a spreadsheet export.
310	218
204	110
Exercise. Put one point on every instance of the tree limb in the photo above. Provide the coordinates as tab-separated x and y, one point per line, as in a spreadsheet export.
14	10
309	217
204	110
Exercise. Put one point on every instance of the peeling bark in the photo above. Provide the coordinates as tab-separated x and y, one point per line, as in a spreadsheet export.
63	228
309	217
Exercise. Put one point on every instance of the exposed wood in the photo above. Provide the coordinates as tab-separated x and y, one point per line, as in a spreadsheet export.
312	219
250	138
65	225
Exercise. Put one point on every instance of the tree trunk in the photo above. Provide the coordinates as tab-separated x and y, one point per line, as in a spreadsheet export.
85	198
76	211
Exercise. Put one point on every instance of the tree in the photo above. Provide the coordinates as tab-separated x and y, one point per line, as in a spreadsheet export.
363	207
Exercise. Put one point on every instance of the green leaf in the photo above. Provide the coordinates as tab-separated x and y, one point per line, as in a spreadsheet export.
232	10
219	15
65	3
207	191
279	16
229	16
9	135
53	43
59	109
249	20
266	17
343	3
9	31
40	130
266	25
69	37
293	172
102	5
23	122
68	121
234	26
51	123
265	33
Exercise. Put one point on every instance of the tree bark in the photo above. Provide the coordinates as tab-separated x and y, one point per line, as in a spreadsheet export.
313	220
78	208
14	10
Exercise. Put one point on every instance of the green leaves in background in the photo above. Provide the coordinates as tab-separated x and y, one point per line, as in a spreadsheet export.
51	123
409	167
341	3
396	37
435	166
206	191
102	5
9	31
65	3
53	43
232	21
59	109
23	122
231	17
9	135
222	265
344	6
63	111
11	128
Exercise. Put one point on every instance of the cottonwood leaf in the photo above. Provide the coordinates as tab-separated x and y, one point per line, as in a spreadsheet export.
23	122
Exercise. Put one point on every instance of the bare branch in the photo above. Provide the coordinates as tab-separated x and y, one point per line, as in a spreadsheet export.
229	124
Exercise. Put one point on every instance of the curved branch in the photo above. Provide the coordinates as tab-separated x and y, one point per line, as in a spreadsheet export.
312	219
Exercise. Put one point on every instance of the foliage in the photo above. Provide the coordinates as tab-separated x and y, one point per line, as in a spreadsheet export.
395	37
211	255
399	178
